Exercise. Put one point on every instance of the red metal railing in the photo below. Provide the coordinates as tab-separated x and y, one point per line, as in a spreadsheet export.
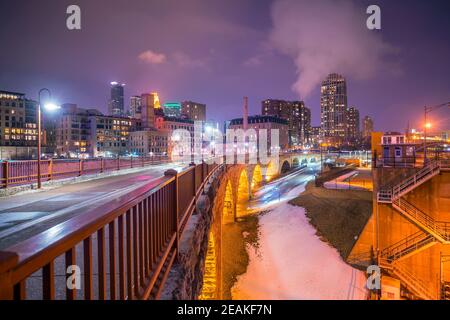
15	173
125	248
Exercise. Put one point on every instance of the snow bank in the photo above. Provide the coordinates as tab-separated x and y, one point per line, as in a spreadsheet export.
293	263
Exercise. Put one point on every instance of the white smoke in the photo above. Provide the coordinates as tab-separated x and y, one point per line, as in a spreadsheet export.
325	36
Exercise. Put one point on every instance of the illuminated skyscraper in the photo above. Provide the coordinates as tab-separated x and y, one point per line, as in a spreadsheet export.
135	107
333	109
367	127
148	110
295	113
116	103
353	123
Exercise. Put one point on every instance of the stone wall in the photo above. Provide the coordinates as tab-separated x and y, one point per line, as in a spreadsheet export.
186	276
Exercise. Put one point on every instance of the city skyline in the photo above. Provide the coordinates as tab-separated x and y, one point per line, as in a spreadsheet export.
257	64
237	151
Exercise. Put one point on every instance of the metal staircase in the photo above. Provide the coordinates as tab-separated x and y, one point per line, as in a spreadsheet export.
423	175
408	246
410	281
438	229
431	230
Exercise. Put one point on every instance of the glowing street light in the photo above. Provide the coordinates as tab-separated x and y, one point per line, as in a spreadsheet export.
49	107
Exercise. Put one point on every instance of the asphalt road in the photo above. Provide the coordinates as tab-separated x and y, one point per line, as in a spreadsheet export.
282	189
26	214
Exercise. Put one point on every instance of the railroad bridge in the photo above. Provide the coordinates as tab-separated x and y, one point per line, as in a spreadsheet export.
130	247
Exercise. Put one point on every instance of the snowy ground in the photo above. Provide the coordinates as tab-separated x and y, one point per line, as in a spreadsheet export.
291	262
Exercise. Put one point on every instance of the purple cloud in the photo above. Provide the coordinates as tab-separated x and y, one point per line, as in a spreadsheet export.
327	36
152	57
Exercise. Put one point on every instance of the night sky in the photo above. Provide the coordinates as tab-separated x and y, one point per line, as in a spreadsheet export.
216	52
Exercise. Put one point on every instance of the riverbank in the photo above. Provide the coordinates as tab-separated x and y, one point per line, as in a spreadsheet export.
338	215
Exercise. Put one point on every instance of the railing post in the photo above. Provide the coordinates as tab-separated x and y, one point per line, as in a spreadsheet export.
131	161
50	170
174	173
80	167
6	172
102	165
192	164
142	161
7	262
118	162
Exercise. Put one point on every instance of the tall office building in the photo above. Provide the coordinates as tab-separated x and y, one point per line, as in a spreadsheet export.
135	107
148	110
193	110
353	123
304	114
297	115
333	109
367	127
116	103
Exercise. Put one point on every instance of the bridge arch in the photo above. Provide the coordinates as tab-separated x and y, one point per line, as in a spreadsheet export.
285	166
228	212
271	171
257	178
243	194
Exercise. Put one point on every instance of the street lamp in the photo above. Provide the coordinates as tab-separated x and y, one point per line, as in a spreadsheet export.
50	107
427	125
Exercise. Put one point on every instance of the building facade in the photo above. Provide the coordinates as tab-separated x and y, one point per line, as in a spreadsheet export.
315	136
168	125
116	103
193	110
108	136
297	115
333	109
268	123
353	124
367	127
18	126
72	131
135	107
149	142
84	133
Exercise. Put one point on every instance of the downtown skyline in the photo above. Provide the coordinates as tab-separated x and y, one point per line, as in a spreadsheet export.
219	53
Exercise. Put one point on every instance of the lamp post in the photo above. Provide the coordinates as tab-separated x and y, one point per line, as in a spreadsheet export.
427	110
321	159
50	107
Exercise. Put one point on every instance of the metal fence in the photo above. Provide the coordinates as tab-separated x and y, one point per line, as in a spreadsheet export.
14	173
124	249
